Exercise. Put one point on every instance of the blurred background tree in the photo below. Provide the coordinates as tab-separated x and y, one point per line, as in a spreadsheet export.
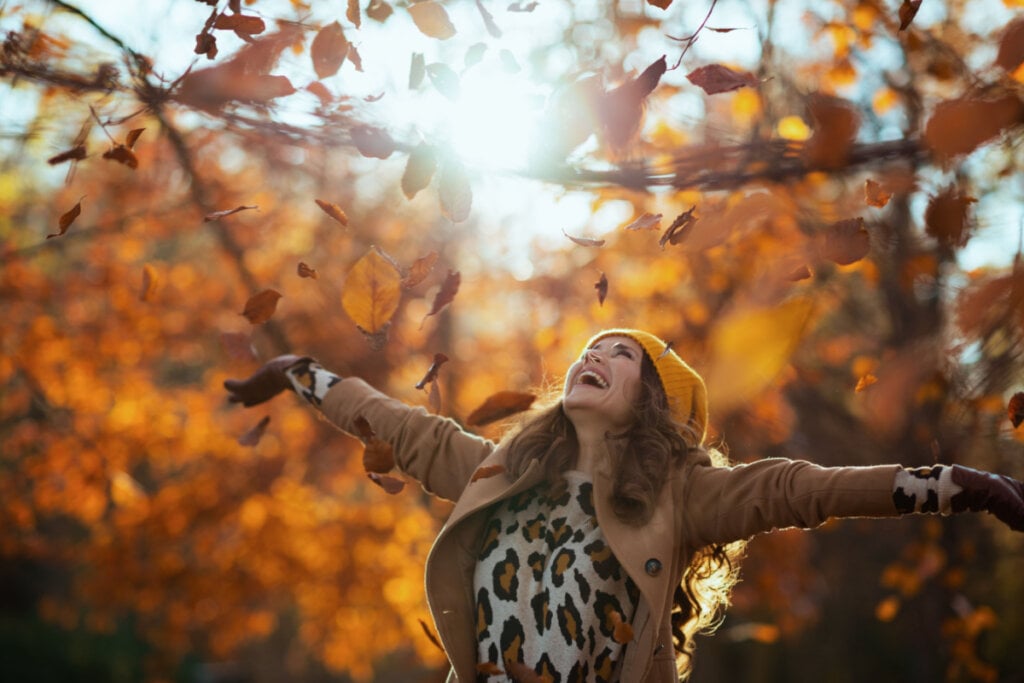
819	204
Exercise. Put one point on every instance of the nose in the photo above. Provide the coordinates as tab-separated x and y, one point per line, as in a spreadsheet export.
592	356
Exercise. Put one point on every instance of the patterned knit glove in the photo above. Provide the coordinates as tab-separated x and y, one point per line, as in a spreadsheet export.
997	494
266	383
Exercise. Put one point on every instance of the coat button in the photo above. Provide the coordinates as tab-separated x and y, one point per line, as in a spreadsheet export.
652	567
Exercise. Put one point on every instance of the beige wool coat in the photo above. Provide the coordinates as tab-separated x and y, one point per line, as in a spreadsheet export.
699	505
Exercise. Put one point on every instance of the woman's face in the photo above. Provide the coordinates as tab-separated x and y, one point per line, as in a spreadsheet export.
603	386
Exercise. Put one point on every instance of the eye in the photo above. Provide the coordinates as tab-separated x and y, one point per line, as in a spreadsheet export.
623	351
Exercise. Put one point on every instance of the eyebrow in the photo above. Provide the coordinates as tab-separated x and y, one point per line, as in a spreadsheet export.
616	345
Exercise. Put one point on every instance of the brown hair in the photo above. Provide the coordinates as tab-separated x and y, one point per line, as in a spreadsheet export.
654	444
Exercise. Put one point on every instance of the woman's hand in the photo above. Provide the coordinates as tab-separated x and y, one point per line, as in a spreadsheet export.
995	493
265	383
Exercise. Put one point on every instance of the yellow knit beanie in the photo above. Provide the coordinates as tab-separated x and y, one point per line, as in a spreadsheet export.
687	395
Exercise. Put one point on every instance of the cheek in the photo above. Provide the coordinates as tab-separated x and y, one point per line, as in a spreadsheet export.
568	377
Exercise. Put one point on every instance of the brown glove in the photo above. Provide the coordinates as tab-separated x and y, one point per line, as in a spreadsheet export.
997	494
266	383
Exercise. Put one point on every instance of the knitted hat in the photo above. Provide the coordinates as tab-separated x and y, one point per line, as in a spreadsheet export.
687	395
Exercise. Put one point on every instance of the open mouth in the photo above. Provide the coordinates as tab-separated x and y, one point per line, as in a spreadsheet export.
591	378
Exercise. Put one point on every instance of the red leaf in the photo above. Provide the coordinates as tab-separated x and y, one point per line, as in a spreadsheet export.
133	137
445	295
716	78
498	406
389	484
439	360
602	289
253	436
328	50
261	306
419	270
487	472
217	215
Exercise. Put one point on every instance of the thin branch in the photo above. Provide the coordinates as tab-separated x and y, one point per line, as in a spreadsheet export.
692	38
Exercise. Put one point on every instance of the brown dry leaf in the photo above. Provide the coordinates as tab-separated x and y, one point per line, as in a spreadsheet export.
357	62
623	631
328	50
373	289
133	137
238	346
206	44
981	301
1015	409
584	241
489	24
647	221
908	10
875	195
835	122
332	210
430	635
246	24
378	10
305	270
1011	46
419	169
864	382
660	4
946	218
961	125
432	19
76	153
389	484
439	360
419	270
352	13
373	142
621	109
149	283
122	155
602	289
487	472
321	92
716	78
445	295
680	227
67	218
378	456
454	191
489	669
217	215
261	306
253	436
846	241
498	406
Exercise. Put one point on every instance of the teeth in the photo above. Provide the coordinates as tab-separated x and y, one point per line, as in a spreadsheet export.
598	380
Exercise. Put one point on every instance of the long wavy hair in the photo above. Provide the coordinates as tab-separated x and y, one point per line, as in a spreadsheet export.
654	445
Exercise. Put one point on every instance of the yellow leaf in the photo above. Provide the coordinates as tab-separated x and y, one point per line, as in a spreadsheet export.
751	347
432	19
372	292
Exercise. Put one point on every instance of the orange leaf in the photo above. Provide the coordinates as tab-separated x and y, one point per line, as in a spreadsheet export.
67	218
260	307
253	436
328	50
419	270
372	142
373	289
1015	409
946	218
149	283
333	210
716	78
454	191
133	137
584	241
352	12
419	169
439	360
875	195
959	126
846	241
489	669
500	405
76	153
647	221
432	19
445	295
122	155
240	23
865	382
487	472
306	271
602	289
389	484
217	215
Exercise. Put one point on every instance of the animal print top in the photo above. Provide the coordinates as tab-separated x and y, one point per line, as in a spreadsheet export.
550	595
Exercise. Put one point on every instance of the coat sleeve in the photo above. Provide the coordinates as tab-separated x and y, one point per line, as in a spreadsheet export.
724	504
434	450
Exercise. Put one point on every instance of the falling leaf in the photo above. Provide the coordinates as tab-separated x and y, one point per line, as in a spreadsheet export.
373	142
357	62
444	79
206	44
647	221
378	10
217	215
489	24
584	241
374	98
621	109
352	12
602	289
149	283
439	360
454	191
487	472
961	125
875	195
716	78
306	271
835	123
1015	409
445	295
261	306
623	631
475	54
389	484
332	210
908	10
417	70
864	382
667	350
238	346
419	270
122	155
419	169
430	635
76	153
432	19
846	241
133	137
946	217
489	669
679	228
1011	46
240	23
499	406
371	295
328	50
253	436
321	92
67	218
660	4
